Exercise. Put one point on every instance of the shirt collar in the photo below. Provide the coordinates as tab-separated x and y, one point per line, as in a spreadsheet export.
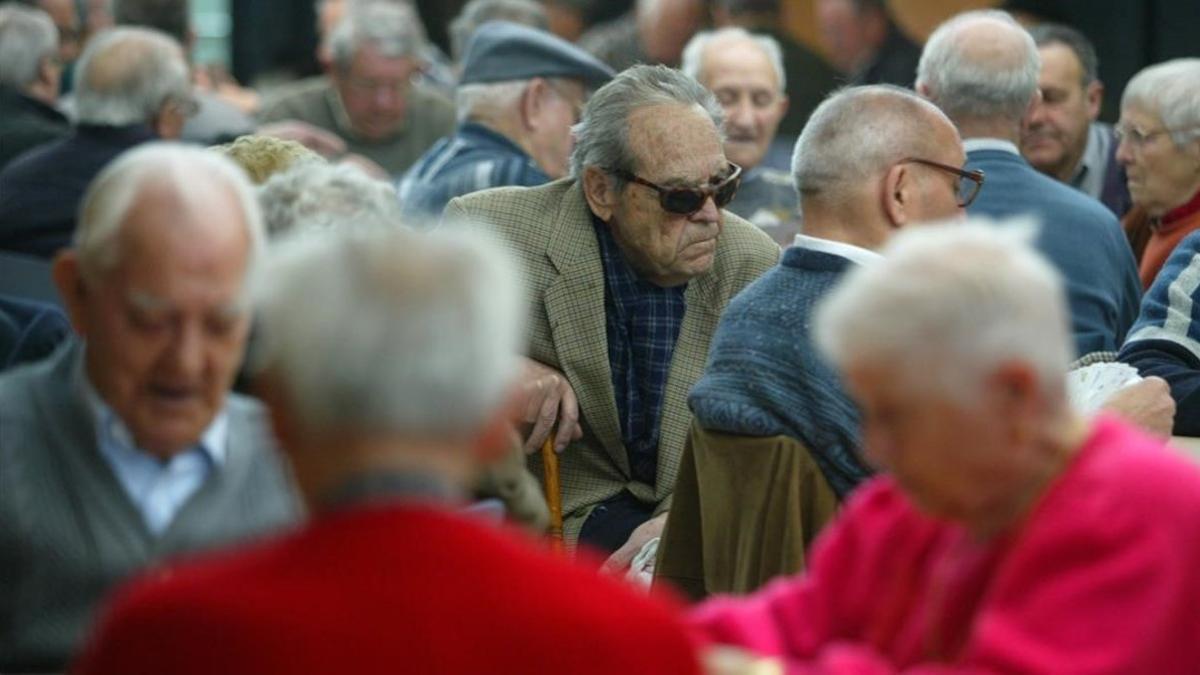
973	144
213	441
855	254
1089	174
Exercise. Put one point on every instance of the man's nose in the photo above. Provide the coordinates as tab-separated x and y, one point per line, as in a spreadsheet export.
187	350
708	213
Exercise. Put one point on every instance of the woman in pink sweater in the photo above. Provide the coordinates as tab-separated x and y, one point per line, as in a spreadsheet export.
1011	535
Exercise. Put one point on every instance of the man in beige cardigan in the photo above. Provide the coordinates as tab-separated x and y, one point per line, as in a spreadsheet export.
629	263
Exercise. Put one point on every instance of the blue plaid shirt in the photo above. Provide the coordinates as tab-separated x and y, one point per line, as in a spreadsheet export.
642	324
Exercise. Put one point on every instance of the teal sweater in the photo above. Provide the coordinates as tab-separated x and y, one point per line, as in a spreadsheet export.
764	377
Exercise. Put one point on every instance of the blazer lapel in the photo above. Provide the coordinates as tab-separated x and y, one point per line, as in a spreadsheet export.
687	365
575	309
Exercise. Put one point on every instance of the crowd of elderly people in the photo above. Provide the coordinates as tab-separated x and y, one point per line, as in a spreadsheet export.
433	364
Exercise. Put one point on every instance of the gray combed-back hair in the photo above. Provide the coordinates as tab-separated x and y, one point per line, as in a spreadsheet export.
857	132
1172	91
602	137
392	28
988	84
126	75
27	36
692	62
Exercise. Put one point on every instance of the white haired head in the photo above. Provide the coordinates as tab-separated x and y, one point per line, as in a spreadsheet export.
115	190
693	54
1170	90
948	305
417	334
126	75
318	195
980	65
27	39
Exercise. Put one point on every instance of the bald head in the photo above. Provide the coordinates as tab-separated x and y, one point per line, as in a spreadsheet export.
980	67
127	75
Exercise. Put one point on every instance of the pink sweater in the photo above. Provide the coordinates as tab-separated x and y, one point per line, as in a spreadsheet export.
1104	577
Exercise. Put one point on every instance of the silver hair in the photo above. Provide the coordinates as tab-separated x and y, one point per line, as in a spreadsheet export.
1170	90
947	305
393	28
417	334
987	85
472	101
315	195
27	38
478	12
115	190
602	137
126	75
856	133
693	54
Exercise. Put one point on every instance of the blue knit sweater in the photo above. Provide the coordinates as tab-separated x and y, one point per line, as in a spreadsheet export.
764	377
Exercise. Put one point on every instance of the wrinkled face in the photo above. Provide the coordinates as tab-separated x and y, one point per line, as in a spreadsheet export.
741	76
551	141
675	146
374	91
1055	133
949	456
1162	175
843	33
165	329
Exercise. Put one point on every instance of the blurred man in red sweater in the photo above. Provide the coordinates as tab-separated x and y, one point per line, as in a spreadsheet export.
387	400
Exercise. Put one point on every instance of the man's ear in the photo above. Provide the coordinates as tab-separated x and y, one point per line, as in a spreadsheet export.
896	193
597	189
1094	95
68	279
532	99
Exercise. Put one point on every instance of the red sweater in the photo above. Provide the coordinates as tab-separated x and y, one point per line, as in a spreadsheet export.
393	589
1101	579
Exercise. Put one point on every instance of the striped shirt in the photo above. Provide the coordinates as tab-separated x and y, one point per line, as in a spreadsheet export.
474	158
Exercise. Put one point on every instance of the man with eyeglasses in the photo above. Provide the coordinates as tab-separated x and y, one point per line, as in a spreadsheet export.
373	97
131	86
745	72
628	266
775	438
521	90
981	69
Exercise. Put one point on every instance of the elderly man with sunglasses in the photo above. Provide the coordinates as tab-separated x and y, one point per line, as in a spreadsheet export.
981	68
775	438
629	263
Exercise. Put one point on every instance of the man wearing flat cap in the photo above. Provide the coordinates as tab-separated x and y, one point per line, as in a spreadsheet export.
520	92
628	264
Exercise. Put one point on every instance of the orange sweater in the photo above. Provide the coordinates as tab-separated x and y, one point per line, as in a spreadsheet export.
1164	236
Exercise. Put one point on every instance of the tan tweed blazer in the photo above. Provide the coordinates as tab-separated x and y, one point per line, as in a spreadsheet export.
549	229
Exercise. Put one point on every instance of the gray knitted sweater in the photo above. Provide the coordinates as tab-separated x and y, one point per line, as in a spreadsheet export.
68	531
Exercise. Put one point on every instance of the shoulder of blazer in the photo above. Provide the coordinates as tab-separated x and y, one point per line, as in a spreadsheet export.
744	252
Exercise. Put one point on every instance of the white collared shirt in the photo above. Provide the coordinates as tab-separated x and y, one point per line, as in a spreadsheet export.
855	254
157	488
973	144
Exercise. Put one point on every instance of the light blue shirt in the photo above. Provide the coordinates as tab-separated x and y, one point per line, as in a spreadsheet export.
158	488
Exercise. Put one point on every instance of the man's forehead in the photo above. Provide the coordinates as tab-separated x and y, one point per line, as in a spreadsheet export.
676	142
735	57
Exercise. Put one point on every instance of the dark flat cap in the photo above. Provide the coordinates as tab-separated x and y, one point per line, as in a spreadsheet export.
501	51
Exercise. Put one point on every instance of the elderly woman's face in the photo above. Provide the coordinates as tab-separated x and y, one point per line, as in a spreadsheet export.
1162	175
953	458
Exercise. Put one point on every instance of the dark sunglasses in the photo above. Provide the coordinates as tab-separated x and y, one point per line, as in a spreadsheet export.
686	201
969	182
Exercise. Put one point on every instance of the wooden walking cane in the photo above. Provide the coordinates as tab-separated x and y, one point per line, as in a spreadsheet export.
553	493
